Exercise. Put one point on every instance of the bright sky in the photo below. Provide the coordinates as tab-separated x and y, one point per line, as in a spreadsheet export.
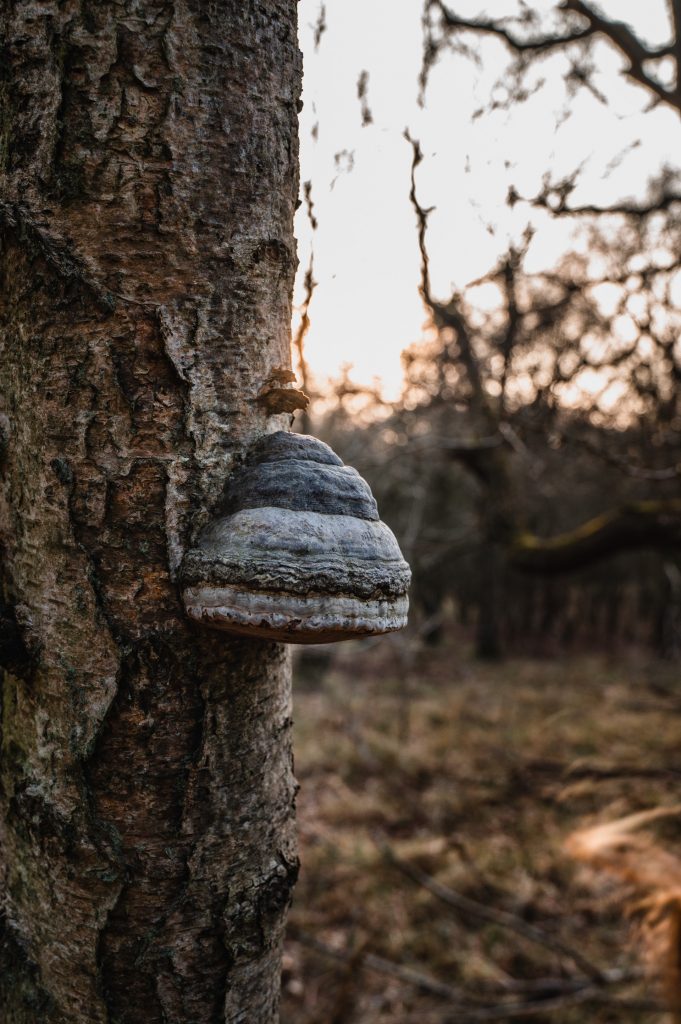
366	308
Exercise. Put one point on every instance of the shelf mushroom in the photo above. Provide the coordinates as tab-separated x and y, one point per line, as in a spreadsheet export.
298	553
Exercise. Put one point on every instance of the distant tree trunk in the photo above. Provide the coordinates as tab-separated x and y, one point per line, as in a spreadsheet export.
148	179
496	518
668	619
489	639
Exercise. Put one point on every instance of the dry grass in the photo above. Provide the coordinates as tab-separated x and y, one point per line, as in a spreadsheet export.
475	776
629	849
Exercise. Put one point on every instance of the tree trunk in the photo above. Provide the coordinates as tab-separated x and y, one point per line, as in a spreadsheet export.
497	513
148	180
489	644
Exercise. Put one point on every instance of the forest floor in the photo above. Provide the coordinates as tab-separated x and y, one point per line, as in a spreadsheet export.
429	769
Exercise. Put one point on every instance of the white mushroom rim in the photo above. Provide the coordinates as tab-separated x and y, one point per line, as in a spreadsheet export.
306	618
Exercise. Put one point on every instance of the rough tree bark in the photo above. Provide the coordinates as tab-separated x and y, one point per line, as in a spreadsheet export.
148	180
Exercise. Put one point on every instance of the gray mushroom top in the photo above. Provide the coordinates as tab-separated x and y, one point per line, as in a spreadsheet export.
298	552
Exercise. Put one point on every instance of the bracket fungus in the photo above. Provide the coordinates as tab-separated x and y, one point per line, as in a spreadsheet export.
298	553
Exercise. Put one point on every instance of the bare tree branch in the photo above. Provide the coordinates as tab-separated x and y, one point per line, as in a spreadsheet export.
320	26
637	525
445	315
621	36
497	28
309	284
422	215
363	97
675	9
554	198
618	33
661	475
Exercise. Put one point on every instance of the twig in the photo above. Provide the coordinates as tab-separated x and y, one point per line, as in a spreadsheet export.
508	1011
606	772
466	1012
382	966
620	463
492	914
304	325
422	215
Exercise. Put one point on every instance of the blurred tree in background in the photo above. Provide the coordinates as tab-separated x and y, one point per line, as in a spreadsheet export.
538	432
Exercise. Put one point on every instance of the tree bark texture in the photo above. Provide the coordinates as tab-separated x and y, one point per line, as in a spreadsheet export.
148	180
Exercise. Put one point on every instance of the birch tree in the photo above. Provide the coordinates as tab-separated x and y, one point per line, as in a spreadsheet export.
148	181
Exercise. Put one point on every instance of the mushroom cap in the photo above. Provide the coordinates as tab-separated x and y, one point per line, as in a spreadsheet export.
298	553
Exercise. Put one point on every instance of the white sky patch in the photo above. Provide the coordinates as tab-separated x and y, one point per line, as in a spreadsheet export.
366	308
